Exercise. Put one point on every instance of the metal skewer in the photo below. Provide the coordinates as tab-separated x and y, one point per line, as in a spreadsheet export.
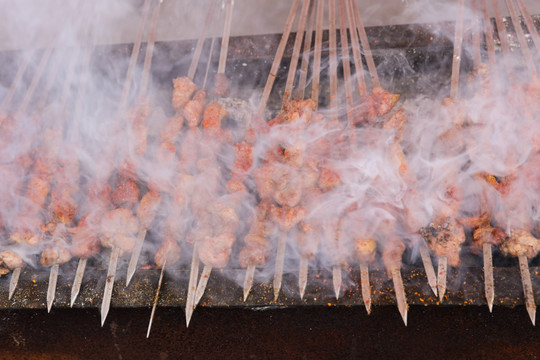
22	109
336	280
442	271
366	288
527	287
332	42
317	52
280	260
248	280
203	281
365	45
51	290
16	80
77	281
488	275
302	276
156	298
529	22
194	269
441	276
79	274
355	44
400	294
296	51
14	281
428	266
192	286
302	80
277	59
200	42
135	254
109	283
524	46
304	264
489	284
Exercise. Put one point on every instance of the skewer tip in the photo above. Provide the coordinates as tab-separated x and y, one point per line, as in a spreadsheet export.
248	280
189	313
276	294
13	282
441	277
302	277
404	315
532	315
336	279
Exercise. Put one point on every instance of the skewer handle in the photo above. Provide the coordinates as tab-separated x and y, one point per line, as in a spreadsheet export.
317	52
225	39
16	80
277	59
456	58
200	41
365	45
296	51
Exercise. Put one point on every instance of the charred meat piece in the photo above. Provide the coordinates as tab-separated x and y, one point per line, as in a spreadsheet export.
328	179
214	251
486	235
444	237
520	242
366	249
287	218
148	207
172	129
55	255
38	190
308	242
10	260
84	240
183	88
169	250
193	110
213	114
254	254
126	193
392	253
118	228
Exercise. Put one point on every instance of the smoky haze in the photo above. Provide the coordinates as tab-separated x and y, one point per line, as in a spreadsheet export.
393	180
